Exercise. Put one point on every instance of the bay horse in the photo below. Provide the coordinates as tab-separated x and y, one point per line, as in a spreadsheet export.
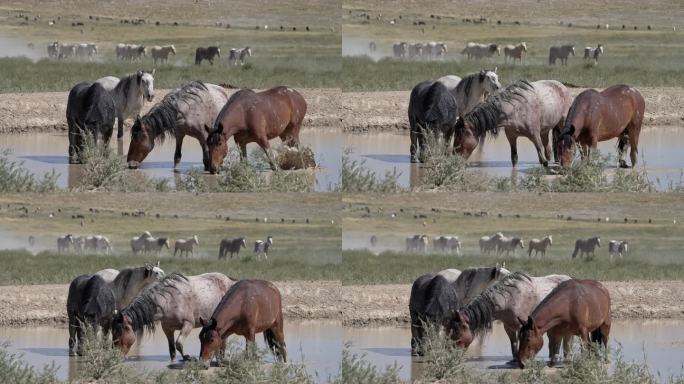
184	111
231	246
431	111
176	302
574	308
250	116
617	111
90	113
249	307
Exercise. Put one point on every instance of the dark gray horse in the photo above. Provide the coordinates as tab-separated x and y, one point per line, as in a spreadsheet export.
90	303
432	110
207	53
232	246
90	113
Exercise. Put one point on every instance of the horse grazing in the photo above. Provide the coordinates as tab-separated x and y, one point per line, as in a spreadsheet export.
508	244
232	246
512	297
539	246
184	111
593	53
472	89
138	242
238	55
574	308
515	52
176	302
560	53
586	246
161	54
432	111
479	51
90	113
155	245
524	109
250	116
208	53
490	243
64	242
617	248
417	243
261	247
129	94
617	111
435	295
185	245
249	307
90	302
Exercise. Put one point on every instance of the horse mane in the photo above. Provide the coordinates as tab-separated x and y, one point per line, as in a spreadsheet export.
163	118
124	85
143	308
100	302
486	116
481	310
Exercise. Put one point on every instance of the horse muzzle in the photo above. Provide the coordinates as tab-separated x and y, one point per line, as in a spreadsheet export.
133	164
150	97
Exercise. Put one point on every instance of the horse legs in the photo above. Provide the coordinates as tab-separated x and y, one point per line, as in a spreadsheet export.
542	148
278	335
205	153
555	341
120	123
513	141
548	151
266	146
73	328
513	338
634	141
172	347
178	154
184	332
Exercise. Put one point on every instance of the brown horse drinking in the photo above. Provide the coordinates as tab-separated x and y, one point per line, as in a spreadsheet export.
258	117
575	308
617	111
249	307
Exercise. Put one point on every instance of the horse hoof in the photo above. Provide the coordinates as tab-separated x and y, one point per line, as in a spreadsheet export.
72	353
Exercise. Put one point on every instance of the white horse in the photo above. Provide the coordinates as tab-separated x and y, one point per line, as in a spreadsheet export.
103	244
479	51
239	54
472	89
261	247
130	52
489	243
185	245
593	53
617	248
86	51
138	242
129	94
161	54
515	52
539	246
508	244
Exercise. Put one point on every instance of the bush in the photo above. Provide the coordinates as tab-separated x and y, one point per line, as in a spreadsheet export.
15	179
15	371
355	370
356	178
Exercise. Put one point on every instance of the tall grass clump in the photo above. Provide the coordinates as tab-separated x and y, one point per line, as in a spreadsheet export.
354	369
445	170
15	371
15	179
356	178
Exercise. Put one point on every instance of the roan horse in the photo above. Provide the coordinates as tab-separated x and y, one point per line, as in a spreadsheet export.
587	246
521	109
250	116
432	111
129	95
435	295
177	302
513	297
617	111
231	246
183	111
90	113
574	308
249	307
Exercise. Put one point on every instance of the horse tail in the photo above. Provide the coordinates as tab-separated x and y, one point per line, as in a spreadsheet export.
220	251
576	251
273	344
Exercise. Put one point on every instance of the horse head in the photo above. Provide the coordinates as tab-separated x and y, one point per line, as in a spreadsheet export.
530	341
146	81
142	143
123	332
457	326
217	146
210	340
465	137
566	147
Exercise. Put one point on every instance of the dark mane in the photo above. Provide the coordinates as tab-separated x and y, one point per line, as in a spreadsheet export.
143	308
486	116
466	83
124	85
162	119
481	310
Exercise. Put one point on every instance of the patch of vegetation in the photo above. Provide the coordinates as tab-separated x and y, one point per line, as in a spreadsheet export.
354	369
356	178
15	179
445	170
15	371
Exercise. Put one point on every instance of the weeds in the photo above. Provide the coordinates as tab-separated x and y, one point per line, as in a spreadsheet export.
356	178
15	371
354	369
444	169
15	179
100	358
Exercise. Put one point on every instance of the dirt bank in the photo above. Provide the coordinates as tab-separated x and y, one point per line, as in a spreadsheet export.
386	304
377	111
45	111
45	304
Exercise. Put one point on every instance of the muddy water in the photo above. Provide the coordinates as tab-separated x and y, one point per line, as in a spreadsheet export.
659	148
661	341
317	343
42	152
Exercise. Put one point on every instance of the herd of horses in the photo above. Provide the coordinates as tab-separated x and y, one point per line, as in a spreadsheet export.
466	303
477	106
133	301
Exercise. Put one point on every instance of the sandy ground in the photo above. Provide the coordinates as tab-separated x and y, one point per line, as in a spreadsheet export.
46	111
377	111
46	304
386	304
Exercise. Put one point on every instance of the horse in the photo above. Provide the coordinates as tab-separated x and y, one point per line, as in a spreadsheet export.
250	116
184	111
539	246
155	245
453	245
161	54
185	245
79	244
617	247
232	246
515	52
416	243
130	52
400	50
432	111
176	302
208	53
53	50
617	111
90	113
66	51
415	50
521	109
239	54
63	243
586	246
560	53
593	53
249	307
90	302
102	244
472	89
86	50
508	244
574	308
108	274
131	281
138	242
490	243
446	244
261	247
435	295
129	94
478	51
512	297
